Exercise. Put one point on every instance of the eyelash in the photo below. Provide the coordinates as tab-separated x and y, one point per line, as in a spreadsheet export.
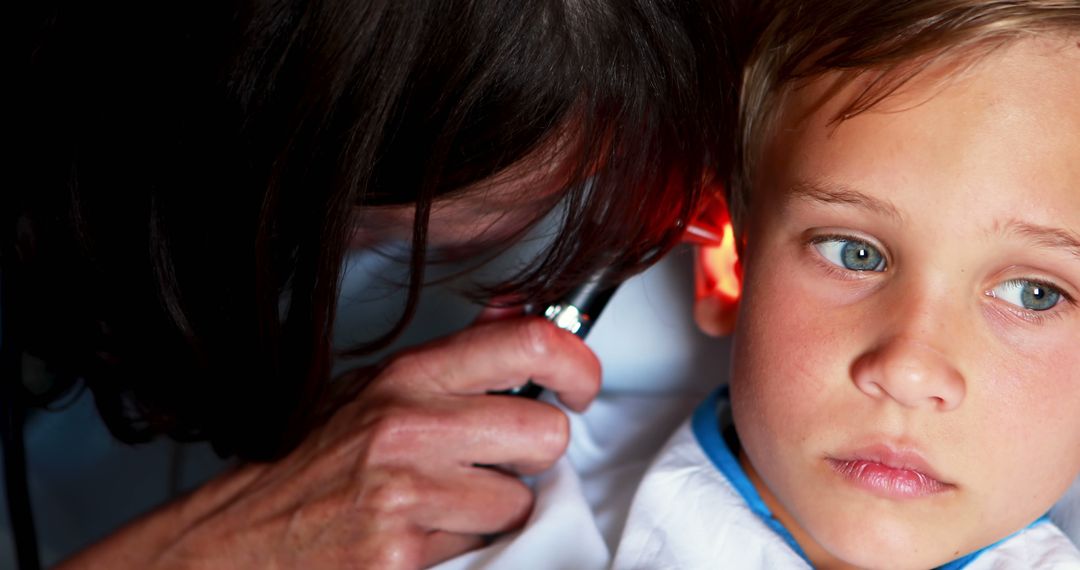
1032	316
1029	315
840	272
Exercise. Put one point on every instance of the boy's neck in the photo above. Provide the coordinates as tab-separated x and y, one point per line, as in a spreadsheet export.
819	557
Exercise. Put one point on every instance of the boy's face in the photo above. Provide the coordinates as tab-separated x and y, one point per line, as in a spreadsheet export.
907	366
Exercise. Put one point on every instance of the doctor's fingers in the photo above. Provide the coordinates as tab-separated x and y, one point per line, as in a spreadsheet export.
497	356
442	546
447	432
474	517
410	514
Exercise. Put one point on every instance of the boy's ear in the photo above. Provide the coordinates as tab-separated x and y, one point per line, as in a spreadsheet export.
717	275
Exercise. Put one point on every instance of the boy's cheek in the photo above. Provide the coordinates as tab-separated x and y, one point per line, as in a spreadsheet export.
783	337
1036	410
796	333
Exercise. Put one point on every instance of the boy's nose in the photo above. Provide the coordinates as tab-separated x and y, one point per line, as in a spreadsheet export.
910	372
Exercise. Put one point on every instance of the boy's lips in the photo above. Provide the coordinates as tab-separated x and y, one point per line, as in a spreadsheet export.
887	472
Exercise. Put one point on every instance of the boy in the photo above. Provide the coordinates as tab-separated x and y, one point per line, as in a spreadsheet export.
905	387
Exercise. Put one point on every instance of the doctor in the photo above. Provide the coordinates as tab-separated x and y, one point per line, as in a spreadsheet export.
202	176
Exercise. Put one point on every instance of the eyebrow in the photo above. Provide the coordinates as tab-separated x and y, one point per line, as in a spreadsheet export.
833	193
1042	236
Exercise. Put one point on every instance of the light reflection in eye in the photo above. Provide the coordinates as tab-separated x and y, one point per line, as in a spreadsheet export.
851	254
1027	294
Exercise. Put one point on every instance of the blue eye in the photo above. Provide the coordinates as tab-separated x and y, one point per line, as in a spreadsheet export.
1031	295
851	254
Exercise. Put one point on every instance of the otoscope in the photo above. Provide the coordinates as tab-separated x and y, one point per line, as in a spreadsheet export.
576	313
579	309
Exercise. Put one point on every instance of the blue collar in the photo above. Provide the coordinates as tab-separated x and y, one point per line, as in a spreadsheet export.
708	431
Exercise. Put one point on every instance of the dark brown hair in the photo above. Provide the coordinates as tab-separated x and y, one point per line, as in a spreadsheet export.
193	175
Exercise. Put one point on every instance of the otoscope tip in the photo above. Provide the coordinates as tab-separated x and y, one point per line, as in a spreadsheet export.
700	234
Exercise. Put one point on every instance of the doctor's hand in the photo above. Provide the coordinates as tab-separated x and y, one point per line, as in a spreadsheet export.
418	468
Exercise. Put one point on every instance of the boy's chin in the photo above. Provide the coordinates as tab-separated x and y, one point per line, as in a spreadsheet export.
888	544
862	557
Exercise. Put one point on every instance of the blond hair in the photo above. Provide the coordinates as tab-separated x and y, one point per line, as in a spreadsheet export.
885	43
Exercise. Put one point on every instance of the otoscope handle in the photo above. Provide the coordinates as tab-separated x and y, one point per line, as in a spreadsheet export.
575	313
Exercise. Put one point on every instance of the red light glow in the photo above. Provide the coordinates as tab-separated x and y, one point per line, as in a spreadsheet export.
719	264
717	261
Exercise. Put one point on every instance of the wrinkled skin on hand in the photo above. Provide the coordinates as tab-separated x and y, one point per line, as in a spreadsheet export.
418	468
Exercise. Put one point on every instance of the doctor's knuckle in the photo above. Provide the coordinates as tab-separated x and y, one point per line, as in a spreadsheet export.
393	431
394	493
394	550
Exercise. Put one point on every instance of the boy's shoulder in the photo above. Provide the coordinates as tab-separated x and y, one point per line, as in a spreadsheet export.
687	513
1041	545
